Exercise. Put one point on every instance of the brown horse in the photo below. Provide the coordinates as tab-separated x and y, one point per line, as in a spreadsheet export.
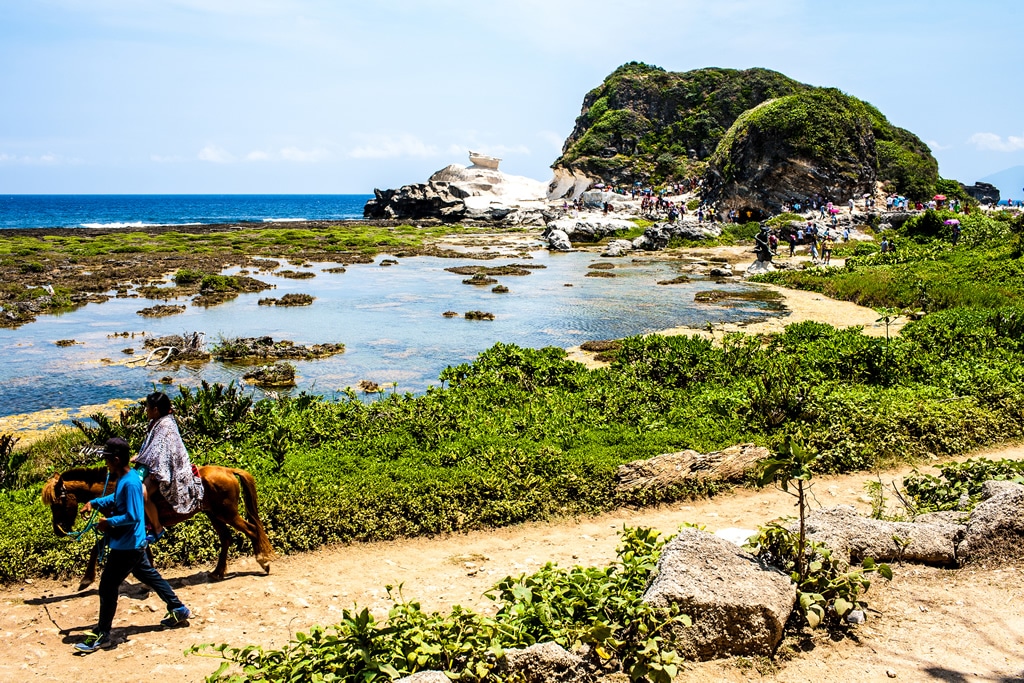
223	487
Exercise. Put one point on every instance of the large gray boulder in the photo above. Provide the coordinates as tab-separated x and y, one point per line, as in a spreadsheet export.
591	227
656	237
545	663
617	248
738	605
558	240
995	529
852	537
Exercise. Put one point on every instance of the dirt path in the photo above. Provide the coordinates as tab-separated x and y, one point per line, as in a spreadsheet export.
932	624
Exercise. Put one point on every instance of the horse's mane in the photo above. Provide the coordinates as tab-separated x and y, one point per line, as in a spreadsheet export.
85	475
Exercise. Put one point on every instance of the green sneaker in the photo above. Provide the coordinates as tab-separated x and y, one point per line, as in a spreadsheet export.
176	616
93	641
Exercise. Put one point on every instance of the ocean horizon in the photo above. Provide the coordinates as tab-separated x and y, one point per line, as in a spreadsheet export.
144	210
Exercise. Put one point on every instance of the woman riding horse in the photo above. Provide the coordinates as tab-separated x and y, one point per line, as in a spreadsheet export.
165	465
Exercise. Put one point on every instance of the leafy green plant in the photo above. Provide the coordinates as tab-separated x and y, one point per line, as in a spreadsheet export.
958	484
828	589
600	607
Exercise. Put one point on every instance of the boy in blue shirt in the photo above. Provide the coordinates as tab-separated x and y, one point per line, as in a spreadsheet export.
125	525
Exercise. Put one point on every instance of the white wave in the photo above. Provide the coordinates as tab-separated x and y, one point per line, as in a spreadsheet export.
135	224
285	220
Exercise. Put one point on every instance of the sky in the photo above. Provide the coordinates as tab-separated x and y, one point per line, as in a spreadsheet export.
337	97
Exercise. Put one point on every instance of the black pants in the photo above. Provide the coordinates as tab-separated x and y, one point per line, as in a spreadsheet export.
121	563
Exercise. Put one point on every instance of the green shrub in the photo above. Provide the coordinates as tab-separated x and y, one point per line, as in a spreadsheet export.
598	607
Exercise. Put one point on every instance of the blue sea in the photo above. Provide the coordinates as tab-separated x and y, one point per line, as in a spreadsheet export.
139	210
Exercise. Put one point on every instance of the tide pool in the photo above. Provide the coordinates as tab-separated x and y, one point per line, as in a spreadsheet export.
389	318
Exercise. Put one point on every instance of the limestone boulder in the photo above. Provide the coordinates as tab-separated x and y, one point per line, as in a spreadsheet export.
738	605
590	227
852	537
545	663
995	529
558	240
656	237
617	248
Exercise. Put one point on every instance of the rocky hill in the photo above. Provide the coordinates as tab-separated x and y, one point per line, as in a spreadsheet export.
757	137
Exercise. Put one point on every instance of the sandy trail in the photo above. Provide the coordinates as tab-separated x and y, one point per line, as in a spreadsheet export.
931	624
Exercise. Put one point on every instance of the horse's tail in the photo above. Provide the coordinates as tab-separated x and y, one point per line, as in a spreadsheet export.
260	544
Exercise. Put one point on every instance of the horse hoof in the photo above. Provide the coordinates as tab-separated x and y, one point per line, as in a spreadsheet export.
85	584
216	577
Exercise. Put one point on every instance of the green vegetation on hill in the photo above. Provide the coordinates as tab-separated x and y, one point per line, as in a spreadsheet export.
646	124
643	121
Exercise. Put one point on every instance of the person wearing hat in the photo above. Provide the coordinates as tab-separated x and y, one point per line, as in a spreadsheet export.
124	525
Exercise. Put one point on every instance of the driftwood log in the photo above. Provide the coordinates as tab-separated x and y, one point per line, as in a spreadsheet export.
672	469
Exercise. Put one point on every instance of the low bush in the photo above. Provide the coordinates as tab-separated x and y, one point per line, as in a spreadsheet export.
601	608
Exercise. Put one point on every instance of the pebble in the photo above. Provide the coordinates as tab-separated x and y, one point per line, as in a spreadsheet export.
890	673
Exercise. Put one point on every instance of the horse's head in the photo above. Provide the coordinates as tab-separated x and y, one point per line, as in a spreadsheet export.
63	504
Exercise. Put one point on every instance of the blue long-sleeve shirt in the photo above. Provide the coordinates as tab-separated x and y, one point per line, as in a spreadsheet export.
126	513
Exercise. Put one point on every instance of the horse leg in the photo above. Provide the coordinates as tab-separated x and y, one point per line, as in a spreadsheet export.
252	533
224	534
90	569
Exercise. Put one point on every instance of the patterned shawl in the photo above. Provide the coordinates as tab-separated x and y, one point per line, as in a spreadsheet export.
164	454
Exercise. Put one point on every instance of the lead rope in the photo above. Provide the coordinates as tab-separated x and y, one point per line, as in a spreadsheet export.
90	525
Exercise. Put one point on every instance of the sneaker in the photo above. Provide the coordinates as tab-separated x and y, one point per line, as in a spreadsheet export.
176	616
93	641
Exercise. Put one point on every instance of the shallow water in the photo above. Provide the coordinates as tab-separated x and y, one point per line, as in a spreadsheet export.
389	318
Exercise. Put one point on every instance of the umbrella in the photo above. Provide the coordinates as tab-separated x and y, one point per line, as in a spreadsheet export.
939	197
951	221
833	210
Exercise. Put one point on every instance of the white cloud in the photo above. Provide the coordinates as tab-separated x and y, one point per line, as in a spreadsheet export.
391	147
215	155
257	155
995	143
935	146
48	159
304	156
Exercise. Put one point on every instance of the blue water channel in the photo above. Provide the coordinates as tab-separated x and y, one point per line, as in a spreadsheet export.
389	318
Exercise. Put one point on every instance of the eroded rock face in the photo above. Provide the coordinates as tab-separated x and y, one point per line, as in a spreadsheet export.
853	537
738	605
423	200
457	193
995	529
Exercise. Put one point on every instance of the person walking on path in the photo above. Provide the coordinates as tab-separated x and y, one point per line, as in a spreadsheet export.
826	249
125	526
